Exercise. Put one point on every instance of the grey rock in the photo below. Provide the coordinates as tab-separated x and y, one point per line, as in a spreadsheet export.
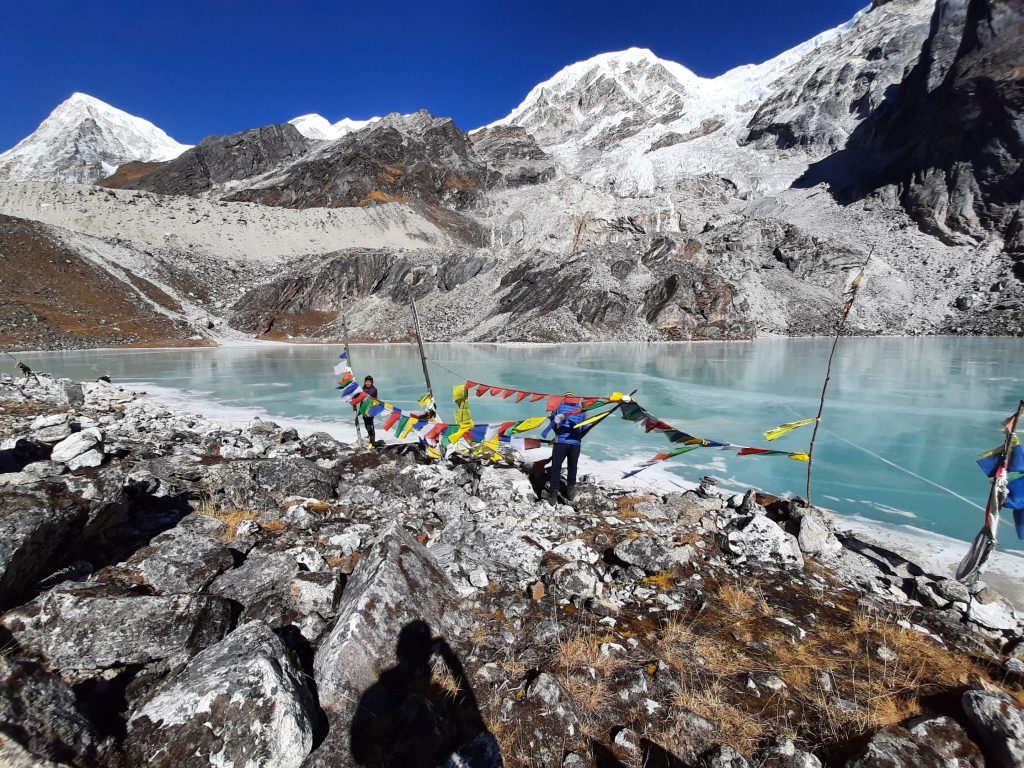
72	393
723	757
998	726
184	562
263	483
91	458
395	600
77	626
815	537
316	592
577	579
34	534
936	743
647	553
42	710
759	539
51	428
241	702
76	444
952	590
545	688
991	610
254	579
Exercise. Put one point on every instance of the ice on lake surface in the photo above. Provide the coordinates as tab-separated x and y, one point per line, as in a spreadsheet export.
928	405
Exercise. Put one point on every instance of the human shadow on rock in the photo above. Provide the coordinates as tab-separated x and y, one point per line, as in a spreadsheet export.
421	711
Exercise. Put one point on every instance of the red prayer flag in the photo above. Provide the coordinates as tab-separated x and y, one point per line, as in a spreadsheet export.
507	394
359	398
650	426
535	397
435	431
495	390
520	396
589	401
554	401
506	426
470	384
390	421
752	451
481	390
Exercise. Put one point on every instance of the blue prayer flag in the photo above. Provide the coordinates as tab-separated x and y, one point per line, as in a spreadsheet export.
989	464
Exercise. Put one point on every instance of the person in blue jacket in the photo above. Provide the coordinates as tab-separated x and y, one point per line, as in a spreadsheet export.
565	421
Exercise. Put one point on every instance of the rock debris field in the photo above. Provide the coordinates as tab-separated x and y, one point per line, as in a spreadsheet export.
180	593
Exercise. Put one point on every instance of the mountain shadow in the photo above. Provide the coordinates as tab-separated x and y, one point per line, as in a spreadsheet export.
421	712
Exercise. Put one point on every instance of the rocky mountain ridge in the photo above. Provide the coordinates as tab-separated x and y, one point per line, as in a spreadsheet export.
177	592
572	188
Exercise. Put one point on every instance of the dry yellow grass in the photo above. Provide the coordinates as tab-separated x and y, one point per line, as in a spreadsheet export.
737	728
232	518
627	507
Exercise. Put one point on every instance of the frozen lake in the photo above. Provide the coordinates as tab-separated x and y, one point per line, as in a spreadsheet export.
928	406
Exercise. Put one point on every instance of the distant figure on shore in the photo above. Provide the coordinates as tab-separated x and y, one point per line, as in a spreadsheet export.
371	433
565	421
29	373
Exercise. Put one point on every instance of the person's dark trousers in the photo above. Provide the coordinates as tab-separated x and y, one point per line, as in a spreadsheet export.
371	434
563	453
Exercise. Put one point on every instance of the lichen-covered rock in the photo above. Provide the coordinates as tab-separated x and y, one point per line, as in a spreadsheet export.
759	539
396	609
239	703
82	626
34	533
263	483
76	444
936	743
40	710
998	726
647	552
184	563
258	576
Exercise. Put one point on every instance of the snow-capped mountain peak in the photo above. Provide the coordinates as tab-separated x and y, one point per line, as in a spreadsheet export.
85	139
314	126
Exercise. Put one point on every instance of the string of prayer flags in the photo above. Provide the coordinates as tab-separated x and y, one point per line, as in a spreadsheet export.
434	432
990	461
785	429
552	400
634	412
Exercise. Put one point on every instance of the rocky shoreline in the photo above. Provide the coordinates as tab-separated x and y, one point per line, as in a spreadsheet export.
178	592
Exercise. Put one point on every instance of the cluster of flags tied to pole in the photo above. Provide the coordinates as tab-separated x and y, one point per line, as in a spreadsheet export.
402	424
1010	480
438	433
634	412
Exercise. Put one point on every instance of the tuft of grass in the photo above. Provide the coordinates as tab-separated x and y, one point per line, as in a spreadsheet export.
232	518
627	507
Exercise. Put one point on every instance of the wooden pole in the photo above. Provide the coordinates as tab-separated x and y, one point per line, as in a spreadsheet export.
423	356
348	356
854	288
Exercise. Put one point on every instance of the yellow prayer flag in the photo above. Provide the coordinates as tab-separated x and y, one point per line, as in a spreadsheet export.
532	423
461	398
407	428
616	397
800	456
786	428
463	429
426	401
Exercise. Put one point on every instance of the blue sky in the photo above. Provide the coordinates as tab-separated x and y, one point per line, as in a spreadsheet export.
196	67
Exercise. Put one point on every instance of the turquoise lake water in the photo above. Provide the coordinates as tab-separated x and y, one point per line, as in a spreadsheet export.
927	405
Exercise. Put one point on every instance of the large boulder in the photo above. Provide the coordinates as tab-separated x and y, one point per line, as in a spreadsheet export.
256	578
34	534
73	446
239	703
936	743
41	712
998	727
262	483
82	626
373	669
184	563
646	552
756	538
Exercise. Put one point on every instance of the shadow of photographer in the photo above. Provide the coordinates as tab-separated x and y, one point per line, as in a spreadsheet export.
421	711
